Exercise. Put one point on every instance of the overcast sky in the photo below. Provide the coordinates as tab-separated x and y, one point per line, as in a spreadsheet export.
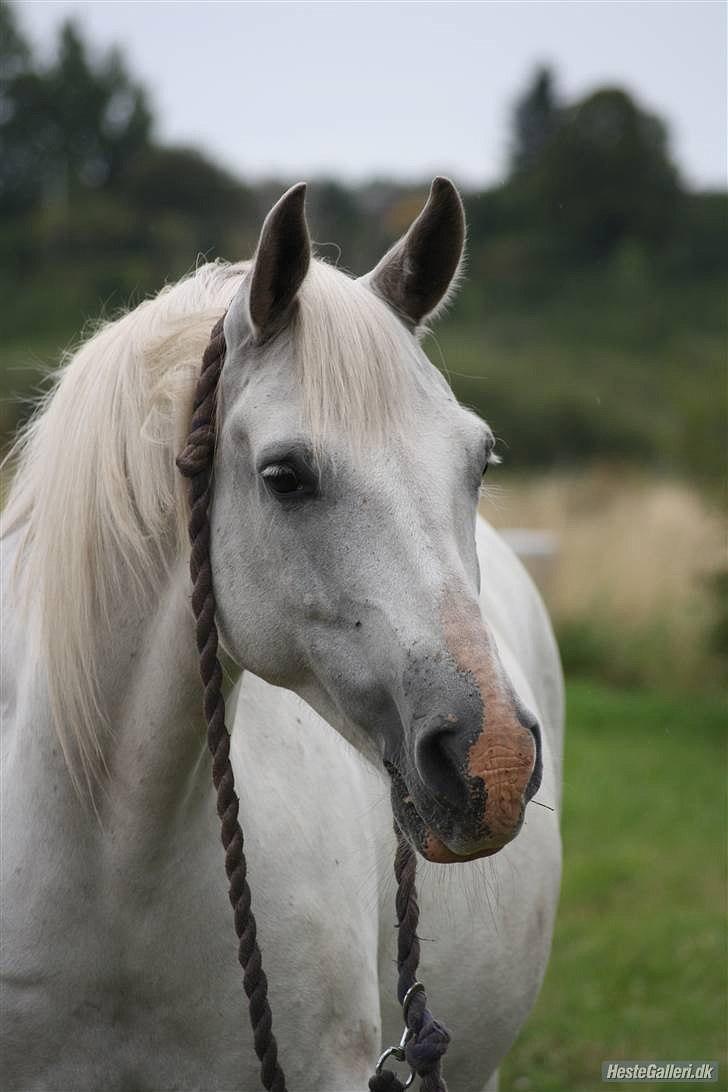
405	89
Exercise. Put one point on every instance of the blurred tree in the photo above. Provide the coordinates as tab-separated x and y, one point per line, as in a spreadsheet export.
23	103
536	118
100	117
177	191
15	51
701	246
605	175
69	127
342	231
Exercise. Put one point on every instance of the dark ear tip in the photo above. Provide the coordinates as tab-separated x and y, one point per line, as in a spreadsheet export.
296	195
444	187
445	198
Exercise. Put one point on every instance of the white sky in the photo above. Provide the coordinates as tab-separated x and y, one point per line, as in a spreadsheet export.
403	89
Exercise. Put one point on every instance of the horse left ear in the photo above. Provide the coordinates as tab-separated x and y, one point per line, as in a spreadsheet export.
417	273
280	264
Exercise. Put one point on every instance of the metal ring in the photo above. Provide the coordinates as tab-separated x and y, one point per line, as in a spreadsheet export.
416	987
398	1053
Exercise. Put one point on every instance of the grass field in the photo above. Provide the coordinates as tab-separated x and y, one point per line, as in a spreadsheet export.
636	585
638	968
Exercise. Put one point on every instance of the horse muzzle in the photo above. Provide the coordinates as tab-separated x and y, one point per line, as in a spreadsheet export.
471	759
464	797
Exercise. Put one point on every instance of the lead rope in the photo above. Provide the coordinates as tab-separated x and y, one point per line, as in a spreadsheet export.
424	1040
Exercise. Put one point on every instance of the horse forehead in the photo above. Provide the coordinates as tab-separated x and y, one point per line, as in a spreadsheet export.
431	441
249	367
263	391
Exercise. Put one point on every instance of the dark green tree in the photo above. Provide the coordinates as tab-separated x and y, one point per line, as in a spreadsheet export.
15	53
23	118
606	175
69	127
536	118
177	191
100	117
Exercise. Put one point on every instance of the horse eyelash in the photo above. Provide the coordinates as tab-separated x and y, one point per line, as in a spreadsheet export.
492	460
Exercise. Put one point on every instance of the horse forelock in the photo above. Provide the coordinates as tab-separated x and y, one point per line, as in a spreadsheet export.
358	363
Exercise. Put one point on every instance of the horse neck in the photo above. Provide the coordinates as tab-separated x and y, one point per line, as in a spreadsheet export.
155	756
156	777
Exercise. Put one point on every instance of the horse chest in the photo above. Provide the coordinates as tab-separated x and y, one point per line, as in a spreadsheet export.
121	967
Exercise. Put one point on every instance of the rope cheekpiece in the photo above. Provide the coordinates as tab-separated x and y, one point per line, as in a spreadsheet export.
425	1040
195	463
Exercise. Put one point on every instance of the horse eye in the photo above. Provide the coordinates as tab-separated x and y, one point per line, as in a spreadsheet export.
283	479
287	481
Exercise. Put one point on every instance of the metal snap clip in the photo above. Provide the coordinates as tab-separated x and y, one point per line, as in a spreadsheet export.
398	1052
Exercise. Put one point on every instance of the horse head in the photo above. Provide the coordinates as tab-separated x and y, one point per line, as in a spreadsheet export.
346	487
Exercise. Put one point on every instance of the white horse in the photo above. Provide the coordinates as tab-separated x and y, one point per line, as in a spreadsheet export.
347	556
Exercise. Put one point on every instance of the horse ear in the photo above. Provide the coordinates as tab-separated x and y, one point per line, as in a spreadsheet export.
280	264
416	274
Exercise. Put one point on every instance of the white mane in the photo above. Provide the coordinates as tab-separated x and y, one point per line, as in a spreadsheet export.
96	494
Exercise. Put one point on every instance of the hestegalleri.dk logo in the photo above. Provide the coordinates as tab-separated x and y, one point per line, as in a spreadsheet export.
702	1072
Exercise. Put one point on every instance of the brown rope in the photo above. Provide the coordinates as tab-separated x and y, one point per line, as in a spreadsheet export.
429	1039
196	462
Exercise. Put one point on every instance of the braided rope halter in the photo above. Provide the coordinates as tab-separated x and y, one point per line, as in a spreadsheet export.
424	1040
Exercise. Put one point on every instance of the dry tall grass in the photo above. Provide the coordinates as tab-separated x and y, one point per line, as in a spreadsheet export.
634	571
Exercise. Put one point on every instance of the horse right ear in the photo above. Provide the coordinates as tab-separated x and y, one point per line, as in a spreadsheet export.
417	275
281	262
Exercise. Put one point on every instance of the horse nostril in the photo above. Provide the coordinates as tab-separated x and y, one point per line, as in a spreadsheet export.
440	761
534	783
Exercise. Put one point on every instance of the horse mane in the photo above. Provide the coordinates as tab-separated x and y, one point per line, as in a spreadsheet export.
96	496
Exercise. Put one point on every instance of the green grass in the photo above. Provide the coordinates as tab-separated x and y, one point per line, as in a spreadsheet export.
638	968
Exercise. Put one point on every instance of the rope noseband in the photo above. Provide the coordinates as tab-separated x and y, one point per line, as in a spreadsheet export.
424	1040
